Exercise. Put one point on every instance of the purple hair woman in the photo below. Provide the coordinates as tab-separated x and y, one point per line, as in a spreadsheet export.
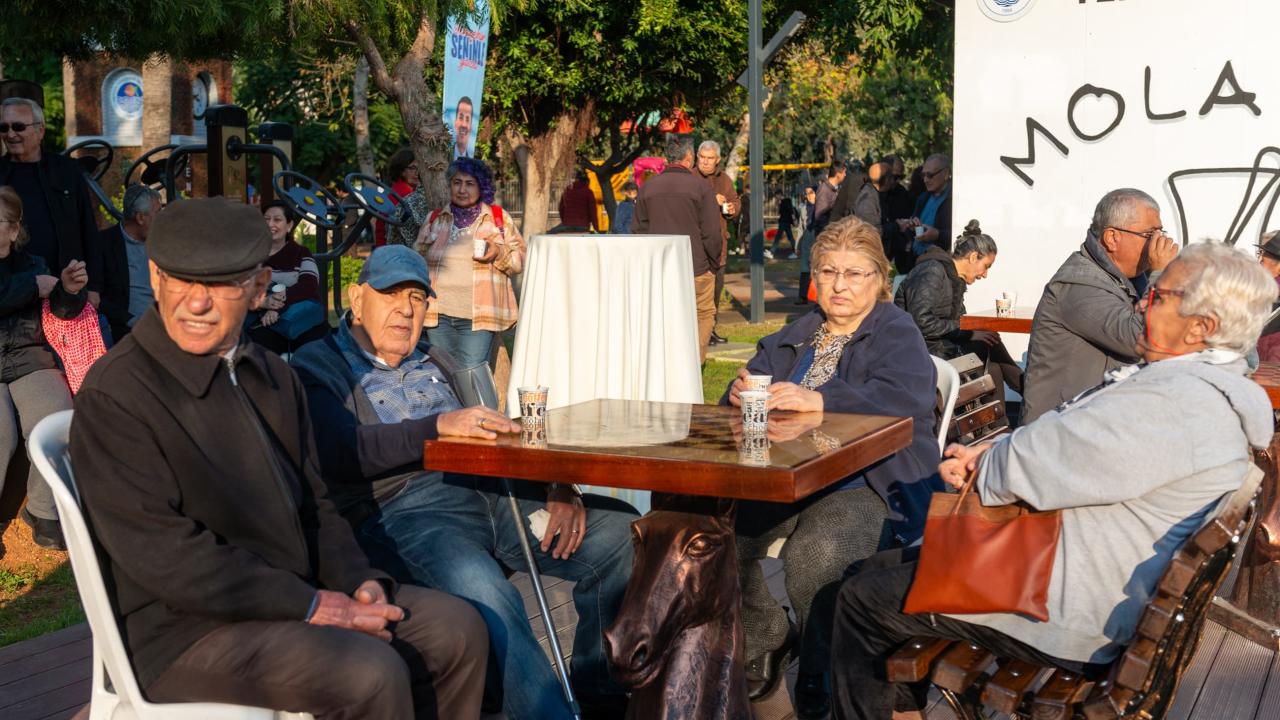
472	250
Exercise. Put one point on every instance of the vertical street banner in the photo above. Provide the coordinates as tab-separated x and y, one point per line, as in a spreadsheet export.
1058	102
466	46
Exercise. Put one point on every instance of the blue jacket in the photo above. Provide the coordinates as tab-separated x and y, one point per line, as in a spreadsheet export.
885	370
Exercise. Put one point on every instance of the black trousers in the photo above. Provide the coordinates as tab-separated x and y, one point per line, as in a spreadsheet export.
870	626
433	668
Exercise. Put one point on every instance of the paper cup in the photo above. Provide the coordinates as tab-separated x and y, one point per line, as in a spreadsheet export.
1004	307
759	382
478	247
533	405
754	449
755	410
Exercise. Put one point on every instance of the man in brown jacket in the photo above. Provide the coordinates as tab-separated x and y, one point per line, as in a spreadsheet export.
678	202
232	576
730	207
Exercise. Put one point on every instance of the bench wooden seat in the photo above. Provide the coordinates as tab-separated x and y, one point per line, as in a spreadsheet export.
1141	683
979	414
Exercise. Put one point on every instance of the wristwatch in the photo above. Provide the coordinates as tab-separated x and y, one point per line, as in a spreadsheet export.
555	485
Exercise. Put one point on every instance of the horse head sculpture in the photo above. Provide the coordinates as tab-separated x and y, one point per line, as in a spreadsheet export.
677	640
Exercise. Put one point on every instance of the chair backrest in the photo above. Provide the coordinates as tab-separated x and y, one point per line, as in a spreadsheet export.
979	411
48	449
948	390
1143	681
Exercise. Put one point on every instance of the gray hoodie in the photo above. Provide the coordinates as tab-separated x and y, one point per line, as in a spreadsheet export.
1085	325
1137	467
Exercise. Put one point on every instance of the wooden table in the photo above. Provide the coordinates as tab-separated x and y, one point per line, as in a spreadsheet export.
687	453
1253	609
1019	322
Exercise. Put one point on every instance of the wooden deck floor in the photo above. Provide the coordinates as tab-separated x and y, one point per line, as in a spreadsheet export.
1230	678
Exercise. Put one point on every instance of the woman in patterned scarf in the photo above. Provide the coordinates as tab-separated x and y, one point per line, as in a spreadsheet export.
856	353
472	251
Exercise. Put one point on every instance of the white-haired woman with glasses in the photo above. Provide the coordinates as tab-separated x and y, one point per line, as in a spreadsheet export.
856	353
1136	465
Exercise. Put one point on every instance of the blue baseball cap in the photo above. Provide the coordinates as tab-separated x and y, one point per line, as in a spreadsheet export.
391	265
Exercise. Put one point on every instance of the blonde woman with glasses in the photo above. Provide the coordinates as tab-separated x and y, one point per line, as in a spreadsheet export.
856	353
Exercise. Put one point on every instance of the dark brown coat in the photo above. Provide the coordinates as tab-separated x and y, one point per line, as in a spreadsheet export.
204	494
679	202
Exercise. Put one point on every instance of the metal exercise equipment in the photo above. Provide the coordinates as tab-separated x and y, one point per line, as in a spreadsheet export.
367	196
227	127
95	160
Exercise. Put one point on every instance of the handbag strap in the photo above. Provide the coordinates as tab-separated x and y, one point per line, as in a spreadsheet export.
969	482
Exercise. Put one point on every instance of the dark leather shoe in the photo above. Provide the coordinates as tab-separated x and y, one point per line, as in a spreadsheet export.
716	339
45	533
813	697
764	671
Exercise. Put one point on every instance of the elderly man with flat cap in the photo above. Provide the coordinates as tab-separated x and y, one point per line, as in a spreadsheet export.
376	390
232	576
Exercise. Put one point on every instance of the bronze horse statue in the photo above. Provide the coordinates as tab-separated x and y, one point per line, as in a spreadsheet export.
677	640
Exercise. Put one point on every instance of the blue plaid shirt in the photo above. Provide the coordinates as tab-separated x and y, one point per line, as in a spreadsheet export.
414	390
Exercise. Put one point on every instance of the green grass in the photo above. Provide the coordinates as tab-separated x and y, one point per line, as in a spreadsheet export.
52	603
716	374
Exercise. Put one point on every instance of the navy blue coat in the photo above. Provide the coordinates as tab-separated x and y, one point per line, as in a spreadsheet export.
885	370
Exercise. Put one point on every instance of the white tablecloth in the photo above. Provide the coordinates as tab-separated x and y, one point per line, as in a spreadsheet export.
608	316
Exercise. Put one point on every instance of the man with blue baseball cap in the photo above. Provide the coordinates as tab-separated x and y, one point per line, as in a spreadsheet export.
376	390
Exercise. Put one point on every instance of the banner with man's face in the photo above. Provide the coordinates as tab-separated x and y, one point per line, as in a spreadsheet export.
466	47
1057	103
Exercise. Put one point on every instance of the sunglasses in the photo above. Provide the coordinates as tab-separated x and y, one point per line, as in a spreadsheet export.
17	126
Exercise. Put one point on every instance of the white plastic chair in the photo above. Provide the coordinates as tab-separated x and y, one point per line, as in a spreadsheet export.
115	690
948	389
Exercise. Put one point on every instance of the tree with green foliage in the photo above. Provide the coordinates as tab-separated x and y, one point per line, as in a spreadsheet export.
907	53
564	76
315	98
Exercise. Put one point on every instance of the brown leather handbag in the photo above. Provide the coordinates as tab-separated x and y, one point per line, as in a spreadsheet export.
978	559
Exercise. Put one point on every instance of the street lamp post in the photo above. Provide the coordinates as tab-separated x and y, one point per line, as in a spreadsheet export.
755	156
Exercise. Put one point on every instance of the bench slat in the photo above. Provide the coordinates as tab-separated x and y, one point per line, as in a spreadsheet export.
961	665
983	416
911	663
1005	690
1058	696
967	365
974	389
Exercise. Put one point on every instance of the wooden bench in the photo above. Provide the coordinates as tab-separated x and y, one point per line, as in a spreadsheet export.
1141	683
979	415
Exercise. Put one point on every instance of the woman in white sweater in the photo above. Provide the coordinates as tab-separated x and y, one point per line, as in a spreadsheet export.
1137	465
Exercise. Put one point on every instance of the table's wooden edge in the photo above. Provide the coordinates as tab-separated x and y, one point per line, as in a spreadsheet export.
700	478
879	445
994	324
615	471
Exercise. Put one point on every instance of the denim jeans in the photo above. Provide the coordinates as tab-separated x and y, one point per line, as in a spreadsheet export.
455	533
469	347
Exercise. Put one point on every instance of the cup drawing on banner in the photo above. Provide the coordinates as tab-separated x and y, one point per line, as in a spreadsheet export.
466	49
755	410
533	406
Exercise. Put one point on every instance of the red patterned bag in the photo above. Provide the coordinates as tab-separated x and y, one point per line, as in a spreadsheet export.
78	341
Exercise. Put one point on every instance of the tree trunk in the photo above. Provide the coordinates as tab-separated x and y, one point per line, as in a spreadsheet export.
738	153
419	109
360	112
544	156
